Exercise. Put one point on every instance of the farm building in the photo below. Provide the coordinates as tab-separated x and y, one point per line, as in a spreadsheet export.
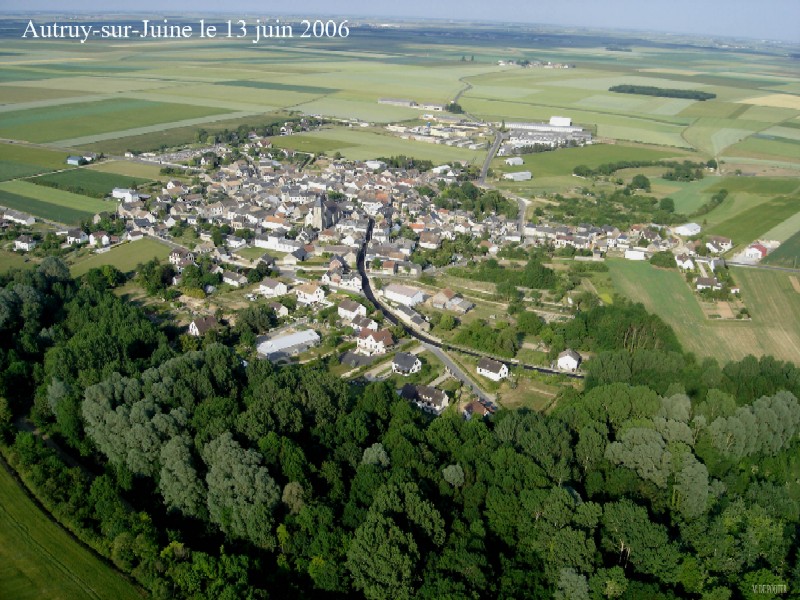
284	346
518	176
514	161
687	230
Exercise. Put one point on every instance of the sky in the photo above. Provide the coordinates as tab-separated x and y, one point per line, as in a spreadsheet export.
757	19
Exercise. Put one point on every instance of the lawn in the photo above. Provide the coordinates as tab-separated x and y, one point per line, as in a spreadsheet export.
10	260
40	561
86	182
47	203
775	306
125	257
48	124
787	255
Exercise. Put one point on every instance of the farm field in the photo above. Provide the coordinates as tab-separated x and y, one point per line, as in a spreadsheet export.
774	329
94	184
51	204
561	162
129	168
366	143
18	160
49	124
125	257
787	255
752	223
39	561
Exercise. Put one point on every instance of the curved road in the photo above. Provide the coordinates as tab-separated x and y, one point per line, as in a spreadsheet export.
367	289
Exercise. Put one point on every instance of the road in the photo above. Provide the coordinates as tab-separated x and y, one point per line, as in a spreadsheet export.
435	344
500	136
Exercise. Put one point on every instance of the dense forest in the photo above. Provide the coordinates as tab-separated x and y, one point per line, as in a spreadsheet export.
667	477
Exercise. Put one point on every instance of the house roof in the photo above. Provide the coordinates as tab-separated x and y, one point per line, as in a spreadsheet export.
404	360
203	324
349	305
570	353
493	366
382	335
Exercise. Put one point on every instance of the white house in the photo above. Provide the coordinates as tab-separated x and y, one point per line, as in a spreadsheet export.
685	262
374	342
272	287
77	236
201	325
569	360
406	364
755	252
233	279
403	294
280	309
492	369
309	293
349	310
124	194
24	242
99	238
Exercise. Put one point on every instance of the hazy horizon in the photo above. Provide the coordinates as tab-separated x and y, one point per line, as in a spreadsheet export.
769	19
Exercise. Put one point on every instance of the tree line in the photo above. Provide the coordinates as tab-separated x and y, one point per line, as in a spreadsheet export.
649	90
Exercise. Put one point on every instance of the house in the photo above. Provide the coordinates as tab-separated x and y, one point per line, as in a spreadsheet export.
427	398
15	216
441	298
279	309
76	236
569	360
360	323
24	242
448	300
403	294
309	293
349	310
99	238
723	243
477	409
234	279
493	369
374	342
201	325
234	242
406	364
179	256
755	251
272	287
684	262
705	283
76	161
284	346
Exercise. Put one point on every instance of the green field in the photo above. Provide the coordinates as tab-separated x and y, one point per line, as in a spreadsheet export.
752	223
87	182
775	306
49	124
18	160
151	172
787	254
125	257
561	162
47	203
10	260
39	561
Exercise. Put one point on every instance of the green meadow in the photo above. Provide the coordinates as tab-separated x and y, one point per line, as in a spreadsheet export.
125	257
49	203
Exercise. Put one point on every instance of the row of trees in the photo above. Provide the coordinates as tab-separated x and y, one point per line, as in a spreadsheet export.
648	90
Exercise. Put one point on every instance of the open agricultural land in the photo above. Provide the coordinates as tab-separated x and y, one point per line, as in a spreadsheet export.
773	304
49	203
39	560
